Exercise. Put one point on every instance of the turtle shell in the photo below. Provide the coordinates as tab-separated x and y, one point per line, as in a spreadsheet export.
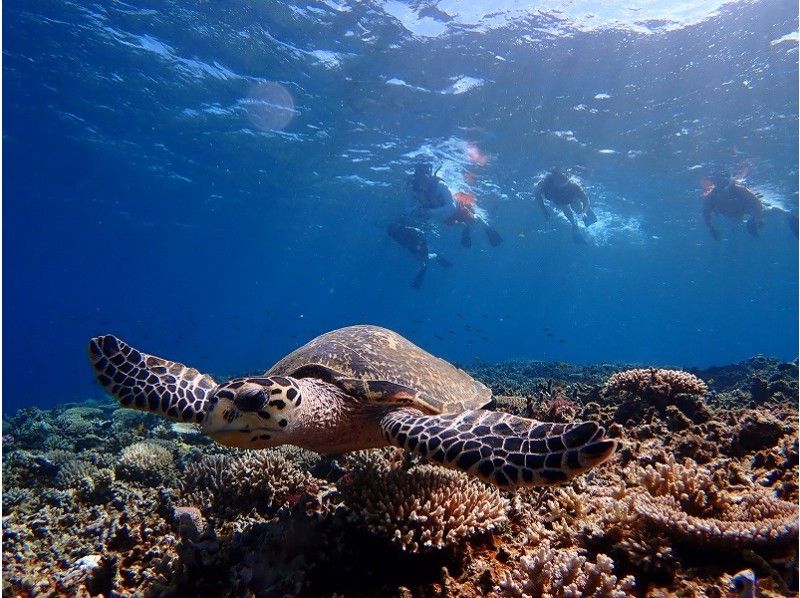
374	354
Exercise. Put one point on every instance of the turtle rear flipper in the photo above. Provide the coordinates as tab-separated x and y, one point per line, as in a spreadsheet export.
149	383
499	448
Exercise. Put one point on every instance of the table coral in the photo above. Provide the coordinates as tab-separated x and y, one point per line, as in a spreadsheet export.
654	382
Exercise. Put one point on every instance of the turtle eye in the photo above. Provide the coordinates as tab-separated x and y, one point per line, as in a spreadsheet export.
250	399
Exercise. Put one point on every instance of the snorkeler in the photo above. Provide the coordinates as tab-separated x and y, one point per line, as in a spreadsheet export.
568	196
432	200
413	239
725	196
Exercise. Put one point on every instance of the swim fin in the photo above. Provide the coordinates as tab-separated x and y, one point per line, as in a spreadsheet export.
420	277
466	237
493	236
578	237
445	263
589	218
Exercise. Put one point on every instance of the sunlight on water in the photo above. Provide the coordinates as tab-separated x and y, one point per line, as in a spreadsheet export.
270	106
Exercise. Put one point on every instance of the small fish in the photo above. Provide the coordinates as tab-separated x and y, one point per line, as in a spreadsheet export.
562	340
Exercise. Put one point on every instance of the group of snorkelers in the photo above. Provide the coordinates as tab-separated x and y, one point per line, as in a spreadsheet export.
430	200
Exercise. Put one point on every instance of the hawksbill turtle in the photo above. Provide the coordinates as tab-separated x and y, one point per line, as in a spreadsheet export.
357	388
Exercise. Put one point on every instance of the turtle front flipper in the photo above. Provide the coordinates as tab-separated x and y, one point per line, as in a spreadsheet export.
149	383
499	448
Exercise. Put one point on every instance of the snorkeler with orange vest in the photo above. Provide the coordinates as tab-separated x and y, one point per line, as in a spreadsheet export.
431	200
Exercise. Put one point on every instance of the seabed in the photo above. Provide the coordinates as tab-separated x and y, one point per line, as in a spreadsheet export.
105	501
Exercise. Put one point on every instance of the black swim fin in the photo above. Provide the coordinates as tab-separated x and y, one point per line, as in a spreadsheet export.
589	218
493	236
420	277
445	263
466	237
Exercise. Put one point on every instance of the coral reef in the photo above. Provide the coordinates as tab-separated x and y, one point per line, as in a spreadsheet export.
565	573
147	462
424	508
651	383
99	500
686	501
266	480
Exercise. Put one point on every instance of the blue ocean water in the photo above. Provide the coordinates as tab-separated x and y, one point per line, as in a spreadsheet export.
212	181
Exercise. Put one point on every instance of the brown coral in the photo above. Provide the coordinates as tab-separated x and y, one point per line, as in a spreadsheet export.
424	508
653	382
565	573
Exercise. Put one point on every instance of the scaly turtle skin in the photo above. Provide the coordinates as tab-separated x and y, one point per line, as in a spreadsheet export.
356	388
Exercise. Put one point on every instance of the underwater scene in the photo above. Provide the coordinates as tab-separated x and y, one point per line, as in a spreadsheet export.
404	298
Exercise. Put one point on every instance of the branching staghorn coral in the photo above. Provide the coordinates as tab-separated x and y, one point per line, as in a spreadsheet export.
655	383
688	502
263	479
424	508
564	573
148	463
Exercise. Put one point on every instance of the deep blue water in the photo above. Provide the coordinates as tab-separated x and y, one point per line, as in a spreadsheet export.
147	192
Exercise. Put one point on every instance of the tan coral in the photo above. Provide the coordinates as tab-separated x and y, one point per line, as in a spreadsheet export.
424	508
262	479
655	382
564	573
688	502
147	463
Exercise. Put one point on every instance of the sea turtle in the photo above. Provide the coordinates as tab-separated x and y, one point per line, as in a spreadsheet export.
357	388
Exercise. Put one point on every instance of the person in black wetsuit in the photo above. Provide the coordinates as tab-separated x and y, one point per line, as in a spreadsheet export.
568	196
413	239
431	200
729	198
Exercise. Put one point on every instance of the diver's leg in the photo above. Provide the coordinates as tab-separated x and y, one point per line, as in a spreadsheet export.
420	276
753	225
576	232
466	236
444	262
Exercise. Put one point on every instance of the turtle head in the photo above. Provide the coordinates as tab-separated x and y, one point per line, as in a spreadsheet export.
149	383
254	412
